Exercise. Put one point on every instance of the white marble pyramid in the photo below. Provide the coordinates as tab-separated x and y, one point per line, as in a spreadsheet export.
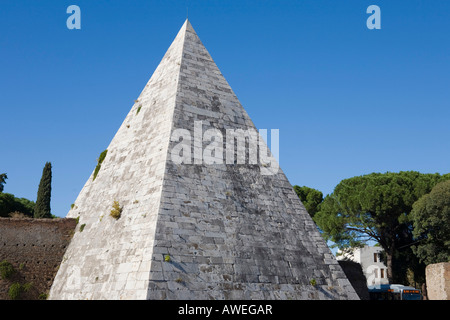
192	227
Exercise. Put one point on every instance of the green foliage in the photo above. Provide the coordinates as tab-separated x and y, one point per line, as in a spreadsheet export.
99	163
82	227
3	178
27	286
166	258
313	282
102	156
139	109
374	207
15	291
431	219
311	198
43	296
42	208
116	210
6	270
9	203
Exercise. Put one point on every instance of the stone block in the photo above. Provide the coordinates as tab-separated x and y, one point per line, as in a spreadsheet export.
438	281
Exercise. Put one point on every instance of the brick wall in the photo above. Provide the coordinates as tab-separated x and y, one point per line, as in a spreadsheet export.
35	248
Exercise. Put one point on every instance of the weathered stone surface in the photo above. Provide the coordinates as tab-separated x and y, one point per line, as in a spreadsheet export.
35	248
192	231
356	276
438	281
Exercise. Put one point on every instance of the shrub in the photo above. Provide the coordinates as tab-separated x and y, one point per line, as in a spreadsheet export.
43	296
17	215
6	270
15	291
116	210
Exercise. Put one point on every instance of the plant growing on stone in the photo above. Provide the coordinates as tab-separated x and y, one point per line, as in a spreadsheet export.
166	258
6	270
116	210
15	291
99	163
43	296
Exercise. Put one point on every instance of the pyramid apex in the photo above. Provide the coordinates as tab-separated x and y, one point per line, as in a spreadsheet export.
188	24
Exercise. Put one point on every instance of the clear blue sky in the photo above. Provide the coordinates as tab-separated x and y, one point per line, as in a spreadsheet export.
347	100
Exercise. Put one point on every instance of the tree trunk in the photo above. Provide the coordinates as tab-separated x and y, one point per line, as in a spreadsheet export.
389	262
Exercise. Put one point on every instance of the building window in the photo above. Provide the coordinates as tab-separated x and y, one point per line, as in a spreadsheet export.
376	273
381	273
375	256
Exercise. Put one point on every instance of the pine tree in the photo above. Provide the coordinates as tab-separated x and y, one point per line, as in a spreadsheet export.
42	208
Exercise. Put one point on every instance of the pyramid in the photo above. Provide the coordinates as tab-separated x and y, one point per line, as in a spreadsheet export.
191	223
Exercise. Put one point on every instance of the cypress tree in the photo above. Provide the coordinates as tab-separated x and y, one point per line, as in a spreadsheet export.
42	208
3	178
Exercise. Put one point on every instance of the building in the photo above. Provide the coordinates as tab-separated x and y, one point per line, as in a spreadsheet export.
370	259
184	228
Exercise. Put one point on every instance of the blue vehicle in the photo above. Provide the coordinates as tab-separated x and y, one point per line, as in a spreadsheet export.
393	292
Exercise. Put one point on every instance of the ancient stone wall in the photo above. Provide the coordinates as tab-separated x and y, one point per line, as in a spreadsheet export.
34	248
438	281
